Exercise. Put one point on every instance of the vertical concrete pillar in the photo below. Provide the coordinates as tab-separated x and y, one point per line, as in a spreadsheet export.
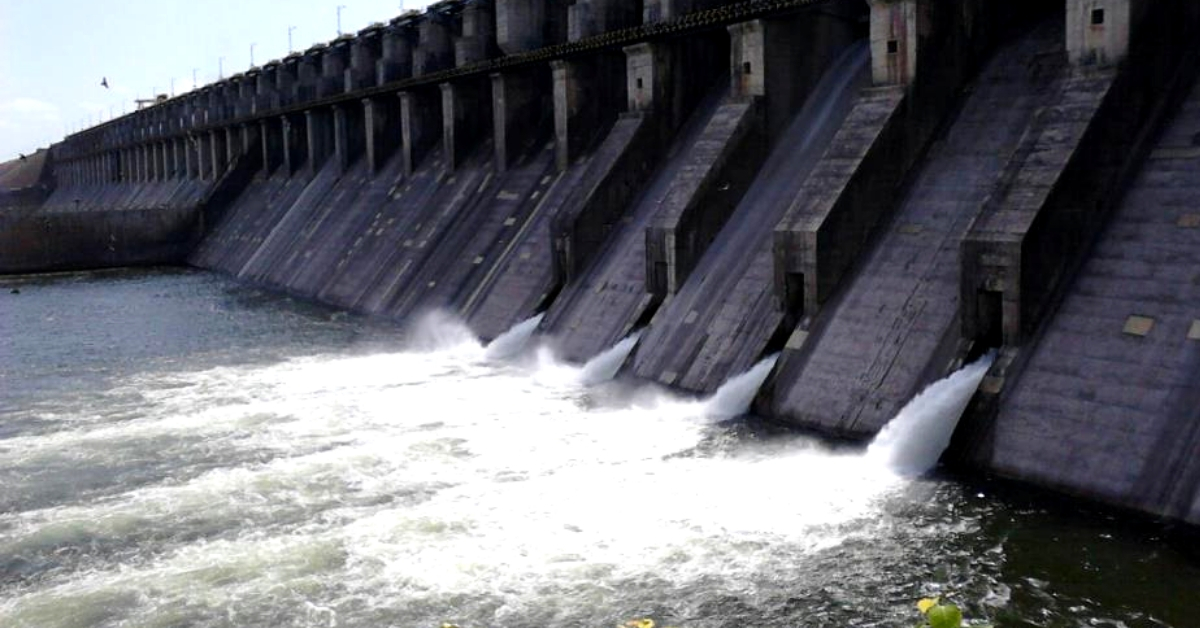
379	127
748	60
647	77
176	146
516	100
520	25
204	155
435	51
270	152
217	145
667	10
420	126
396	50
233	145
478	39
365	52
247	91
156	161
190	163
1098	31
464	119
295	147
144	161
319	137
587	18
575	111
894	39
285	81
341	138
333	68
249	137
308	74
264	88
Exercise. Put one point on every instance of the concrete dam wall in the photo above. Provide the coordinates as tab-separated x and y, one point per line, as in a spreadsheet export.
878	192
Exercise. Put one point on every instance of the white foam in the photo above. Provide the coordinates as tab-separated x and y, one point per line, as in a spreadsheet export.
437	479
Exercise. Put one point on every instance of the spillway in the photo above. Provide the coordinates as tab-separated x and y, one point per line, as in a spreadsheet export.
893	327
1118	369
723	317
610	297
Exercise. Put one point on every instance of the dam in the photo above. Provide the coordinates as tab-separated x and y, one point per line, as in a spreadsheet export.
870	195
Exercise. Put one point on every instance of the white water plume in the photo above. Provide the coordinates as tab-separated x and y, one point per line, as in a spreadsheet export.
913	441
513	341
734	397
605	366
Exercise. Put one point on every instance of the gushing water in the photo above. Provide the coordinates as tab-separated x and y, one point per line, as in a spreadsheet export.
914	440
735	396
513	341
605	366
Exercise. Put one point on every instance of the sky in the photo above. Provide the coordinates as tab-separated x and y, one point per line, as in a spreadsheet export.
54	53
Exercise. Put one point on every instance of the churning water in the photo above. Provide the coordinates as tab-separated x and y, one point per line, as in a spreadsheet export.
176	450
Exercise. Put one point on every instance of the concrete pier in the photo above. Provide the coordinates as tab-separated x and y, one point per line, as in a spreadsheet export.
465	118
421	125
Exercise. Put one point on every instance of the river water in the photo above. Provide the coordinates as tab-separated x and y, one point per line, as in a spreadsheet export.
180	450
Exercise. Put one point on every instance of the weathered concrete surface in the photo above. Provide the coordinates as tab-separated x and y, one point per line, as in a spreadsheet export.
521	280
609	297
706	189
822	232
894	327
1111	393
104	225
1057	194
392	244
464	246
725	314
24	173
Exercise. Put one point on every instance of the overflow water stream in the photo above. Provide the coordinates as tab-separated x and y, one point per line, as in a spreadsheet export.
177	450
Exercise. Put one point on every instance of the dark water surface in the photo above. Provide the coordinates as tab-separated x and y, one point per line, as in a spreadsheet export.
179	450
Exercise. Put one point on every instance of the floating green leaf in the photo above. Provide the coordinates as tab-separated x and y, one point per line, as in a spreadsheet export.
945	616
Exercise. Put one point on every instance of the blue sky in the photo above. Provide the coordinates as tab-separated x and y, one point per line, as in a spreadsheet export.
53	53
